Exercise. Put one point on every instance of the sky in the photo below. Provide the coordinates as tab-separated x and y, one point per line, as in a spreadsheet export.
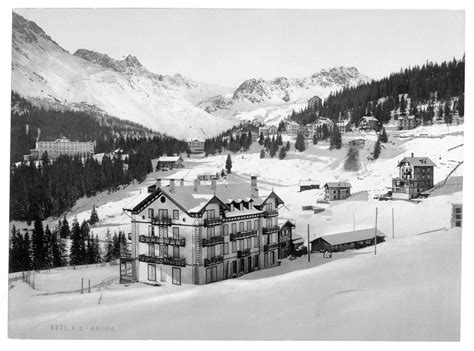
227	47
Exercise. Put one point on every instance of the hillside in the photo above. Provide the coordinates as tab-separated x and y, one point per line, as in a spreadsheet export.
121	88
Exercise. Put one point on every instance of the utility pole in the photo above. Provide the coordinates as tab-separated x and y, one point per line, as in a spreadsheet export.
393	223
309	251
375	232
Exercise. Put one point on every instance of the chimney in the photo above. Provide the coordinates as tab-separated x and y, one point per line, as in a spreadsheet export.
158	182
412	154
196	185
213	184
172	188
181	182
253	187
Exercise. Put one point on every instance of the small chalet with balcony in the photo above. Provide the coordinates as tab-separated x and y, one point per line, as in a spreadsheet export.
367	123
416	174
337	191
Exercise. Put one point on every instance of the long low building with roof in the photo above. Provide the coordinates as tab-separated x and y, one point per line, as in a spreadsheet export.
348	240
201	233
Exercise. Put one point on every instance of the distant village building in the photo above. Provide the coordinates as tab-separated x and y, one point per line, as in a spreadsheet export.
315	102
320	123
268	130
344	127
292	128
337	191
456	215
308	185
170	162
196	146
407	122
62	146
285	240
416	175
368	123
201	234
347	240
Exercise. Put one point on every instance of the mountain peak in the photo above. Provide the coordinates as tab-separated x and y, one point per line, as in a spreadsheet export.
132	61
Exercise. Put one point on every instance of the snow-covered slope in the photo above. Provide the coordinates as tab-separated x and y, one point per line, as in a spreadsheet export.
122	88
269	101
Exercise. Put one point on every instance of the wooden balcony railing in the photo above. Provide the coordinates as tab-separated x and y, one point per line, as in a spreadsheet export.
243	234
213	241
270	230
270	247
270	213
162	221
162	241
243	253
213	260
212	221
170	261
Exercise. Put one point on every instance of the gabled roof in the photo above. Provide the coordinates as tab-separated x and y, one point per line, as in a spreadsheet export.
369	118
350	237
169	158
338	184
308	182
418	161
286	222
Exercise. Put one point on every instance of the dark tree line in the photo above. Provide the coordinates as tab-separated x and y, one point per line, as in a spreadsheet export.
227	141
426	84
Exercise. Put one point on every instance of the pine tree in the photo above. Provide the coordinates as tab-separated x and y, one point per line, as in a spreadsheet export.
383	136
282	153
94	218
56	252
262	153
39	251
299	143
49	243
76	239
448	118
335	142
461	106
261	140
315	139
377	149
64	231
228	164
288	146
109	251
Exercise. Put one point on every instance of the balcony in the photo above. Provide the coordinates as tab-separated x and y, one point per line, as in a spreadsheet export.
170	261
162	241
270	247
213	260
271	230
270	213
213	241
243	253
162	221
208	222
242	235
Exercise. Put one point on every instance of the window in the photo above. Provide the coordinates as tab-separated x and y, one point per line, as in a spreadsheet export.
241	226
234	267
151	250
272	257
234	227
162	213
226	229
211	251
249	243
163	251
269	207
176	252
151	213
234	246
175	214
211	232
152	272
249	225
176	233
151	230
256	224
211	214
176	274
256	242
226	248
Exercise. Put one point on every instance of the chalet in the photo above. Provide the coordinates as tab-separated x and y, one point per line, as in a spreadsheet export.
344	127
199	234
268	130
407	122
315	102
196	146
170	162
319	125
415	176
292	128
337	191
285	240
347	241
308	185
368	123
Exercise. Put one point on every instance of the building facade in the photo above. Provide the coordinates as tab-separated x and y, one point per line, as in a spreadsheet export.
201	234
347	241
285	240
337	191
62	146
407	122
170	162
368	123
196	146
267	130
416	174
292	128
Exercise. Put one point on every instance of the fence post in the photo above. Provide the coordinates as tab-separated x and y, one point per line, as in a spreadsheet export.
89	286
82	285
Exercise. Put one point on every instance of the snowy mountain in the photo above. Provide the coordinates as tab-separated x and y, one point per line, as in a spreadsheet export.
269	101
122	88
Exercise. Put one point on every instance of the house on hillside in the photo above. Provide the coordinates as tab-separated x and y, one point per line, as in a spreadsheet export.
285	239
337	191
308	185
319	125
170	162
344	127
407	122
367	123
292	128
268	130
347	240
416	174
58	147
196	146
200	234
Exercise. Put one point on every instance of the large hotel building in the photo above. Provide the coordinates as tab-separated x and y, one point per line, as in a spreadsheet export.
62	146
199	234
